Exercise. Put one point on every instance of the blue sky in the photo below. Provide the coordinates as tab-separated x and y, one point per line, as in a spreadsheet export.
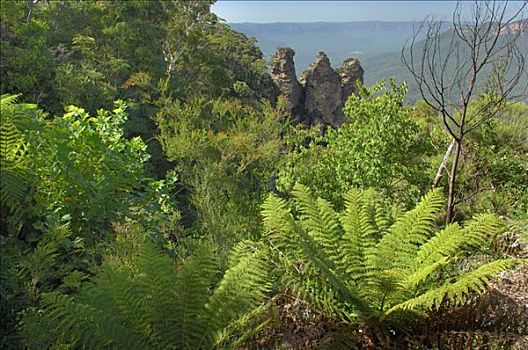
330	11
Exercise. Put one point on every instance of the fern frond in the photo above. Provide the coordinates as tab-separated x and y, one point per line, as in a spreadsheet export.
320	294
13	186
117	292
339	263
249	276
278	222
419	275
7	100
317	217
459	291
307	207
382	219
482	229
397	248
325	268
444	243
293	242
151	302
454	239
185	316
359	236
87	326
243	327
367	216
330	232
14	173
17	118
319	220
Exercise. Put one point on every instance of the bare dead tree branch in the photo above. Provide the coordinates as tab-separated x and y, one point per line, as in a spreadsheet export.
476	60
443	165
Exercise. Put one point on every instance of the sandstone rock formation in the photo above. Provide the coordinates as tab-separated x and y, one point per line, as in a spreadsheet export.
283	73
322	89
322	92
350	72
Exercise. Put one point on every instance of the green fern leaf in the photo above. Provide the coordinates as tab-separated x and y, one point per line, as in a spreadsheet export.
457	292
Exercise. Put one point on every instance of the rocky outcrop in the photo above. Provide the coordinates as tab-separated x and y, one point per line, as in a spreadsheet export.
283	73
322	92
350	72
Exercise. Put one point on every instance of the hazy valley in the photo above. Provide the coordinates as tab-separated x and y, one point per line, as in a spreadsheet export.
376	44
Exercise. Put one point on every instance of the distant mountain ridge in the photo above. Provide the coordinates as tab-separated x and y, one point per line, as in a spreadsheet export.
318	26
339	40
377	44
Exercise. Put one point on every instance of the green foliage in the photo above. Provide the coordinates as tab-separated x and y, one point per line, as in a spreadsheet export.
25	61
200	92
85	167
86	53
378	146
83	84
78	52
142	299
357	265
89	54
15	176
13	296
495	173
53	263
76	166
225	152
65	181
242	61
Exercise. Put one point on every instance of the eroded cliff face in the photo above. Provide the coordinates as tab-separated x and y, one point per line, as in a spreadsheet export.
283	73
350	72
322	91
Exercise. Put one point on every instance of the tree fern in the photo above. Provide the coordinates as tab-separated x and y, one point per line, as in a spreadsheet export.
153	302
278	221
357	264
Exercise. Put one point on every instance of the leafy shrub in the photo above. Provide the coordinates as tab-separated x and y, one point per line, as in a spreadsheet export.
64	181
225	152
378	146
26	59
495	173
85	167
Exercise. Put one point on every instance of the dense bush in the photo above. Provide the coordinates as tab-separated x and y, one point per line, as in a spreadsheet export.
495	172
142	299
378	146
65	181
136	221
225	152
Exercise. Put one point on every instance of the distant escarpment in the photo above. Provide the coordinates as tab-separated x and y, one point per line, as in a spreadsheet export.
322	91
